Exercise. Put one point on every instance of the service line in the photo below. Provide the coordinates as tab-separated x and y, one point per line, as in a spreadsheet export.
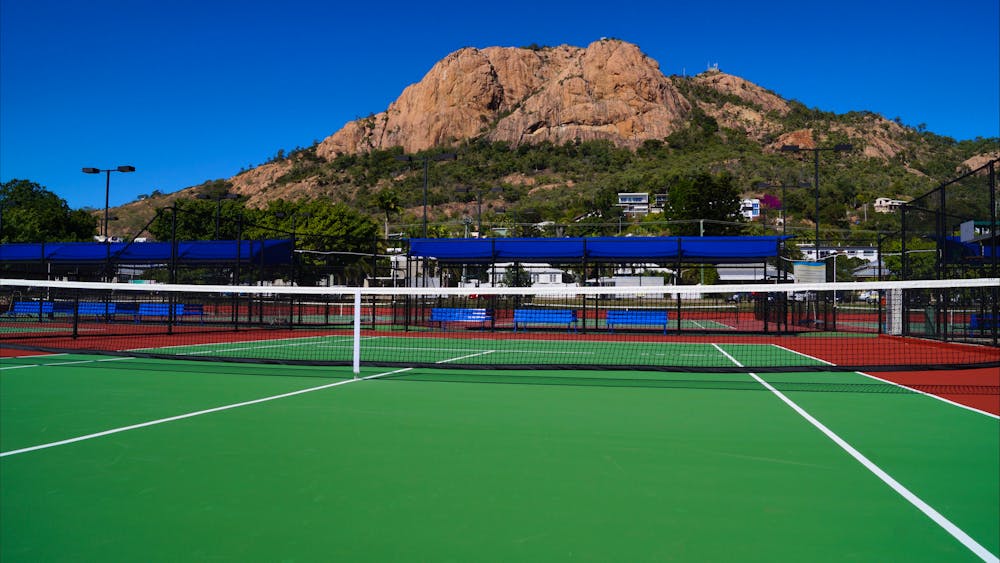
194	414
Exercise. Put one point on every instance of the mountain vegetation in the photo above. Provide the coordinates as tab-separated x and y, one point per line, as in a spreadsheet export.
571	189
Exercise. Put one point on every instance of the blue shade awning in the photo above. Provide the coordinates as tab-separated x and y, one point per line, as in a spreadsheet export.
709	250
632	249
729	249
267	252
445	249
538	249
21	252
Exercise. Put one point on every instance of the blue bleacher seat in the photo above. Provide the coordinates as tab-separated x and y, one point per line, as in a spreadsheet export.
545	316
641	317
445	315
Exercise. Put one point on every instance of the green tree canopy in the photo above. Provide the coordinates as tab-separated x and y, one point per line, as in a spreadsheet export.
196	220
31	213
340	239
704	196
516	276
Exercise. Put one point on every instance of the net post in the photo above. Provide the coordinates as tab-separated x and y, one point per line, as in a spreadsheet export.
583	321
76	314
357	333
171	312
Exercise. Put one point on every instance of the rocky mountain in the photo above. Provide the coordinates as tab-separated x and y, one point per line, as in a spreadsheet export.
609	91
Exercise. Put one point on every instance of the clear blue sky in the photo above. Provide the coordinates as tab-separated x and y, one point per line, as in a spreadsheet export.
193	90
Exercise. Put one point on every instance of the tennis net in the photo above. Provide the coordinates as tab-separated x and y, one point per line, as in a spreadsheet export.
940	324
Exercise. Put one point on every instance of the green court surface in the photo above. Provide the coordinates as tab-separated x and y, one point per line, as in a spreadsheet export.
124	459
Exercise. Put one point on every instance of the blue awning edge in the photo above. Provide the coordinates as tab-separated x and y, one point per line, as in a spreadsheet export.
267	252
707	250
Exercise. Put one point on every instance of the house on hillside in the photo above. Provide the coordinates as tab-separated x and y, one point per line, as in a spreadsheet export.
887	205
750	208
634	203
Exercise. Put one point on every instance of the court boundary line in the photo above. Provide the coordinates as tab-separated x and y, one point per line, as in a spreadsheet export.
195	413
929	511
237	342
482	353
900	385
75	362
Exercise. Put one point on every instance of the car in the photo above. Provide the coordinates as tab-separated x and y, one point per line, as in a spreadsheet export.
870	297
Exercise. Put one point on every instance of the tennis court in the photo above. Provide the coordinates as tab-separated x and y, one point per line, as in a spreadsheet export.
262	426
152	459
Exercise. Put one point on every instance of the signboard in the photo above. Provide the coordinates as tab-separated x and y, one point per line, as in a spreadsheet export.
967	231
809	272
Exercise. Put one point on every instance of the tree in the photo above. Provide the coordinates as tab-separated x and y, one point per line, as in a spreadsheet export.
387	201
341	240
921	259
31	213
714	199
699	134
516	276
845	267
195	221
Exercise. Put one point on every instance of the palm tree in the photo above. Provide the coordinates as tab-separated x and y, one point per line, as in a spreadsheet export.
388	201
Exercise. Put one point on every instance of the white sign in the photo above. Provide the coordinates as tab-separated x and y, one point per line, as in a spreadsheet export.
967	231
809	272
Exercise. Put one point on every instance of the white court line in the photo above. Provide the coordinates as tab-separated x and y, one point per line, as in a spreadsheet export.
507	351
820	360
714	324
115	359
900	385
196	413
938	518
465	356
239	342
223	350
45	355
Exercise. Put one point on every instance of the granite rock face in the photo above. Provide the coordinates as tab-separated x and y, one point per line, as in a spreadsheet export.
609	90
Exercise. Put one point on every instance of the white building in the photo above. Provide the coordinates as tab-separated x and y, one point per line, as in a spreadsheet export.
659	203
541	275
748	273
750	208
634	203
868	253
887	205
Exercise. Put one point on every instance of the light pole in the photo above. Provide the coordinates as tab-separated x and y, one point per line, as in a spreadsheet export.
765	185
841	147
293	216
834	256
218	207
107	188
479	203
426	160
